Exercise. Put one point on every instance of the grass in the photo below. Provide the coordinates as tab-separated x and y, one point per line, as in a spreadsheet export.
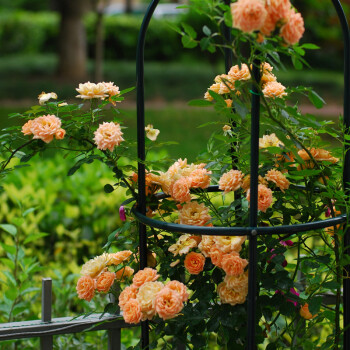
175	124
27	76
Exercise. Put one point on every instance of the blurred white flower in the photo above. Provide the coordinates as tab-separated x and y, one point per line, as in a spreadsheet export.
151	133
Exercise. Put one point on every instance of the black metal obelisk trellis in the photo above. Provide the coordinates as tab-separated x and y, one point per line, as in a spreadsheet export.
253	231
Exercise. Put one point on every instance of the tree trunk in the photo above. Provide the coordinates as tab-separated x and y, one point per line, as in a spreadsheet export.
72	40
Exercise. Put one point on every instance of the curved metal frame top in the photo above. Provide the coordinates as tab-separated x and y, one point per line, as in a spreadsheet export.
253	230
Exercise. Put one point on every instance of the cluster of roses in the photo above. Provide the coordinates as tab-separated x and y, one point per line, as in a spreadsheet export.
267	17
225	83
224	253
46	127
97	277
180	178
147	297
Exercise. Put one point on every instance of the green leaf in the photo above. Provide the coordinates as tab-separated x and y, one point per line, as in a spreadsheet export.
18	221
127	90
8	248
189	30
297	63
315	305
316	99
206	31
310	46
34	236
72	170
11	229
108	188
28	211
200	103
188	42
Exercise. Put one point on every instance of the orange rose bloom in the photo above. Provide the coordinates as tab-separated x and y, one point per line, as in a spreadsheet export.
119	257
248	15
205	245
239	73
319	155
305	313
168	303
105	281
238	283
278	9
230	296
132	312
273	89
146	297
180	190
233	264
229	244
60	134
277	178
264	197
194	263
86	287
200	178
216	256
194	214
127	294
294	29
26	128
145	275
231	181
124	273
179	288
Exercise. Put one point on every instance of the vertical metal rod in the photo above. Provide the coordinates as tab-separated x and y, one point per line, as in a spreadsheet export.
253	211
141	149
346	172
46	342
228	52
114	339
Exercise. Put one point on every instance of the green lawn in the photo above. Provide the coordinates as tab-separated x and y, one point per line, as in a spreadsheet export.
175	124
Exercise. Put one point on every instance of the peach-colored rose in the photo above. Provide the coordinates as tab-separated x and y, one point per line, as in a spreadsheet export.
180	190
127	294
294	29
112	90
278	179
246	182
238	283
227	84
229	244
200	178
44	97
168	303
45	127
108	135
183	245
216	88
233	264
60	134
216	255
26	128
179	288
270	141
230	296
205	245
194	263
248	15
88	91
119	257
264	197
278	9
95	266
86	287
132	311
105	281
123	273
194	214
268	26
230	181
273	89
319	155
228	103
305	313
239	72
146	296
145	275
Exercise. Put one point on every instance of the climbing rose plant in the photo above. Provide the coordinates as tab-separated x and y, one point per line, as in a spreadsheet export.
195	286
